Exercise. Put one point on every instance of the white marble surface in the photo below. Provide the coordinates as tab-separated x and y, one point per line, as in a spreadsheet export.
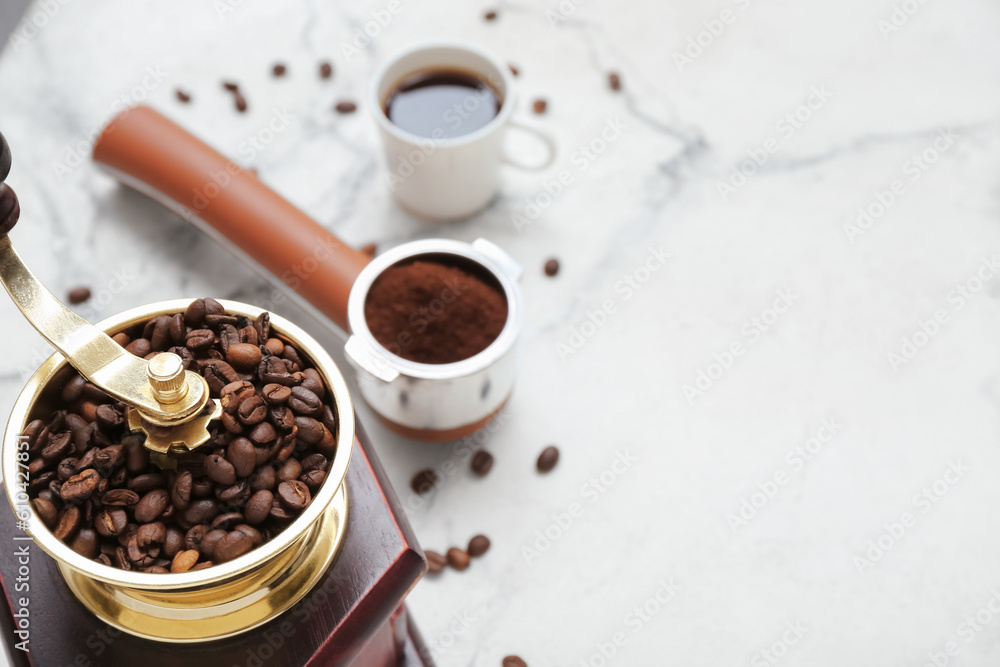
665	517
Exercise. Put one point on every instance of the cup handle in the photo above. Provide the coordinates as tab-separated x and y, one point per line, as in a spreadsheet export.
545	137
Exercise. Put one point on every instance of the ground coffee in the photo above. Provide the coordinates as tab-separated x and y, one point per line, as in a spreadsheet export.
434	314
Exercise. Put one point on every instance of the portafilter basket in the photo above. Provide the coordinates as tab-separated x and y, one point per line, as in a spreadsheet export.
221	600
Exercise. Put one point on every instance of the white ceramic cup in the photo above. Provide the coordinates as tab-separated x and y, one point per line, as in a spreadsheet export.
440	179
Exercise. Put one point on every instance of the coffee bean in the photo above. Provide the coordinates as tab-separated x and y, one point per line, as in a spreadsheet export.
209	542
219	470
313	479
513	661
540	106
69	523
240	102
218	374
120	498
264	478
457	559
160	338
290	470
184	560
151	534
180	492
202	511
151	505
242	456
86	543
111	522
305	402
182	96
78	295
435	561
552	267
279	512
227	521
139	347
547	459
252	411
79	487
194	316
231	86
346	107
614	80
173	543
232	546
279	70
146	483
263	434
236	494
314	382
200	340
109	458
274	347
482	462
276	394
244	357
259	506
491	15
46	511
256	539
478	545
228	337
513	69
325	70
263	326
423	481
294	494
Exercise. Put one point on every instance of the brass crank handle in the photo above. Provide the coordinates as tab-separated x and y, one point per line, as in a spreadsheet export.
161	390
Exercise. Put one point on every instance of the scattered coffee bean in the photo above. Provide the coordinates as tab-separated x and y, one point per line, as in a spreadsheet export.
369	250
423	481
482	462
279	70
547	459
231	86
240	102
615	81
93	483
513	69
435	561
540	106
325	70
458	559
78	295
182	96
552	267
491	15
346	107
513	661
478	545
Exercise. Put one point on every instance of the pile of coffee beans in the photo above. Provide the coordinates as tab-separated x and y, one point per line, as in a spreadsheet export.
92	482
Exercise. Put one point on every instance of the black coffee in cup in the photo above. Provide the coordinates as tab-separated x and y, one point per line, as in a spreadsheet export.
442	103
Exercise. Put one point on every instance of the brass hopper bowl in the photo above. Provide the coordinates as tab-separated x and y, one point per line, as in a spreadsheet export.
213	603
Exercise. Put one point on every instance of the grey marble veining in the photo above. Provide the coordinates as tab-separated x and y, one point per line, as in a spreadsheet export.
658	539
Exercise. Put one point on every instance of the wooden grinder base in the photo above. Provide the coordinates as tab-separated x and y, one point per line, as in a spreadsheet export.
355	616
